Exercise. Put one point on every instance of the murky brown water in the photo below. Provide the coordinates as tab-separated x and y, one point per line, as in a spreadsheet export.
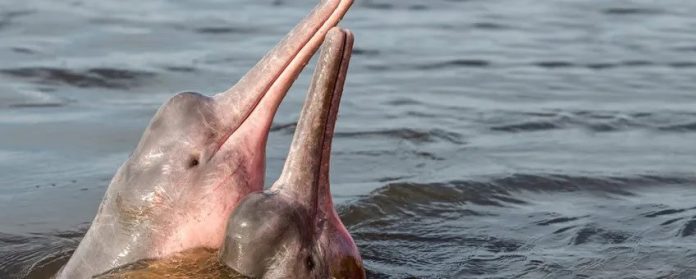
477	139
197	263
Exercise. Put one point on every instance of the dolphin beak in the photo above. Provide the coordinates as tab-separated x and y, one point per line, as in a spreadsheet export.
305	174
250	105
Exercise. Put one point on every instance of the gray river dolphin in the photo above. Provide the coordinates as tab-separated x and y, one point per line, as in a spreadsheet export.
196	160
292	230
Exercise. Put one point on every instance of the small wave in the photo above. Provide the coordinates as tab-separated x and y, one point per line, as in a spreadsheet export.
366	52
181	69
554	64
377	6
558	220
30	99
671	221
377	67
403	101
596	121
477	63
683	64
601	65
631	11
489	26
23	50
664	212
223	30
286	128
550	64
689	228
637	63
612	65
410	135
528	126
687	127
592	234
6	17
397	153
42	105
94	77
417	7
391	178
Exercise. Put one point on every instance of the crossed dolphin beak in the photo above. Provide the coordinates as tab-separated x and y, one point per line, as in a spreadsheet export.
253	101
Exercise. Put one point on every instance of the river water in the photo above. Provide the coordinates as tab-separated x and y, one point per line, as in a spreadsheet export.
477	138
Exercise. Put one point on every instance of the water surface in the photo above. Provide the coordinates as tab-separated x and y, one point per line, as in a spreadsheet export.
476	139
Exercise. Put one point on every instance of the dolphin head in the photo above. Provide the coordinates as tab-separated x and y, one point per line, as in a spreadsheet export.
293	230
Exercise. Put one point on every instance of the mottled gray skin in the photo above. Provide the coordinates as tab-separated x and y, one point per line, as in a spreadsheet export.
293	230
196	160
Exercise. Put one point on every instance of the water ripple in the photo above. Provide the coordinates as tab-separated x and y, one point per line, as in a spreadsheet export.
89	78
494	213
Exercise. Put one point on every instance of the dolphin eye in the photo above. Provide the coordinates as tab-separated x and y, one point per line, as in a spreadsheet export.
193	162
310	262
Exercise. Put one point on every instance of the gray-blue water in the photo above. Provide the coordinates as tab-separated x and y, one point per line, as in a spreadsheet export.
477	138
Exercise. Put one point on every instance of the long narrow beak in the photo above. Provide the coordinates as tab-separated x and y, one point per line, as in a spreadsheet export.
258	94
307	166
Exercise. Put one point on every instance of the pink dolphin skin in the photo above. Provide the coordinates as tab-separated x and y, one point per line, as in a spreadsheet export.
292	230
196	160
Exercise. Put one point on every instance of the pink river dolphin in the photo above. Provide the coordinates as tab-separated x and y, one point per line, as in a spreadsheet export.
196	160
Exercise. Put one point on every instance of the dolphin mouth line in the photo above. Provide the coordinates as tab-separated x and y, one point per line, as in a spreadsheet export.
327	21
305	174
332	113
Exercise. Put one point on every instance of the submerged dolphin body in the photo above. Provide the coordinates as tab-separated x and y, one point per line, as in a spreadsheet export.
196	160
293	230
